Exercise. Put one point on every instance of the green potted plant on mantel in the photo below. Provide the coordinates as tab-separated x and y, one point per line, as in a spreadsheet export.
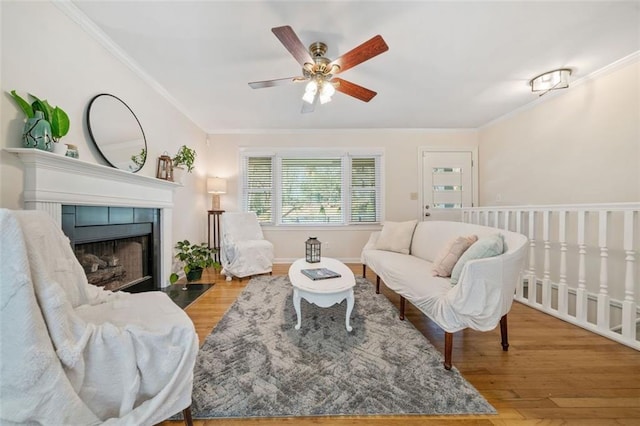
44	124
184	158
195	257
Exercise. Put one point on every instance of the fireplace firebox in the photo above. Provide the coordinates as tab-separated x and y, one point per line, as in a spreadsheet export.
118	247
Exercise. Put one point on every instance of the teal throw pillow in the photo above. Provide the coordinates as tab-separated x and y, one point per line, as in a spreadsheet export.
490	246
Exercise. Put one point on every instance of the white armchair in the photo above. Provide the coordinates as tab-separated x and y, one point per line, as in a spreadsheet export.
244	251
73	353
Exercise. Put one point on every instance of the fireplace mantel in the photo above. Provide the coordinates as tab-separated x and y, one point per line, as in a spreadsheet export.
52	180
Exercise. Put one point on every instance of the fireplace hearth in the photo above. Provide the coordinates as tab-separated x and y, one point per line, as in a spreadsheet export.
116	246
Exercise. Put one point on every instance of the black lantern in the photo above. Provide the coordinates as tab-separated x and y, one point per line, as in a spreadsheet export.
312	252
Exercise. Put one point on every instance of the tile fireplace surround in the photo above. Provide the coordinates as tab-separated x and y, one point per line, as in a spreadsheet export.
52	180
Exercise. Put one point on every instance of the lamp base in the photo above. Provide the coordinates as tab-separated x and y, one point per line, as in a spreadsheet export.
215	202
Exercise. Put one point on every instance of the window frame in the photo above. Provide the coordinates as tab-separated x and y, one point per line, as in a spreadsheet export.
346	156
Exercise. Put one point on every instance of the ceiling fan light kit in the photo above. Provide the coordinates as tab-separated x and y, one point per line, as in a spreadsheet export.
319	71
551	80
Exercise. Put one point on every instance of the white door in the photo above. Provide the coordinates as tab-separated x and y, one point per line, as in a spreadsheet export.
447	184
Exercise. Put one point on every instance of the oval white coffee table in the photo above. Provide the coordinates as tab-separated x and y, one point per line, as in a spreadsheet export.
323	293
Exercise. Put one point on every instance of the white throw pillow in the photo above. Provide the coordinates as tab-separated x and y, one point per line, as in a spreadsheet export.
396	236
446	260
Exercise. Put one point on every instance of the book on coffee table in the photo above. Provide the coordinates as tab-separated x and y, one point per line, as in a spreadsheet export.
320	273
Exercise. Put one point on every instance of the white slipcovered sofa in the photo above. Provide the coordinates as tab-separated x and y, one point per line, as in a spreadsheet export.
485	287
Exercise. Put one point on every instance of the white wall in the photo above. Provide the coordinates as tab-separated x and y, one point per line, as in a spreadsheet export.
581	145
45	53
401	166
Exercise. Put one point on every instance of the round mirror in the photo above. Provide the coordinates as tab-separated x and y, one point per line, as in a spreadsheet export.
117	133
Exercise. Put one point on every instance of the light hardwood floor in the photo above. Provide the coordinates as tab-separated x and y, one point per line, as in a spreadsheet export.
553	374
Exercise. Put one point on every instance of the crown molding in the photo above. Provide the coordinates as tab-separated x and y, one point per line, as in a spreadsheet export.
368	130
90	27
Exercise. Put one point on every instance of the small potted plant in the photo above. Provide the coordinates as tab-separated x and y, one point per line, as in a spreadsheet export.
37	134
195	257
184	158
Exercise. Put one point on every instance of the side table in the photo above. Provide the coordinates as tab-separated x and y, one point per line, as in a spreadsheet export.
214	216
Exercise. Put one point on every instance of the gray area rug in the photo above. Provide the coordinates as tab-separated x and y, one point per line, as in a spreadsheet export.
255	364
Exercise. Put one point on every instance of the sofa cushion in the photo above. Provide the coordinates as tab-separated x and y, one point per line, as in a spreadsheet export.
396	236
489	246
408	276
446	260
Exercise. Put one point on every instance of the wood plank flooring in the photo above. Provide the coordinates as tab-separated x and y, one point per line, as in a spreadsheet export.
553	374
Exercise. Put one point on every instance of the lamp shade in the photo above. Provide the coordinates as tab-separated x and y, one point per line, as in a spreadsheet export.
216	185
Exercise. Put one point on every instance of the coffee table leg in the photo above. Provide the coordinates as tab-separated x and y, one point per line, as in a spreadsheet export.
296	306
350	303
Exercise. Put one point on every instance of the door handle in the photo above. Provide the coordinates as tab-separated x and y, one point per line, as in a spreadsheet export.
427	214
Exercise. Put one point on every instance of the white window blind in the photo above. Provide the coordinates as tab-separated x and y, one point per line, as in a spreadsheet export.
258	187
365	187
293	188
311	190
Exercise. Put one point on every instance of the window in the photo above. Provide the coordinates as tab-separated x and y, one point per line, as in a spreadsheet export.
364	190
259	187
312	187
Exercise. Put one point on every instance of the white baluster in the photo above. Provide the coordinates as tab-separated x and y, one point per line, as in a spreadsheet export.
546	278
628	304
563	289
531	278
496	219
581	292
520	286
506	220
486	217
603	294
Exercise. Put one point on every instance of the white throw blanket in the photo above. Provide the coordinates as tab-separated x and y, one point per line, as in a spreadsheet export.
73	353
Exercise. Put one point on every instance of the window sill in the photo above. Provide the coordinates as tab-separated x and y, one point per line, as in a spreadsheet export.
286	228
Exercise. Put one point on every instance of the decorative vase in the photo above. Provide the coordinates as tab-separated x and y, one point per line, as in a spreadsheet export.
37	133
59	148
194	274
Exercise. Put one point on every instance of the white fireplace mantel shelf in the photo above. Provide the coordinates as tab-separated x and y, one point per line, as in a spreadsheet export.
52	180
55	178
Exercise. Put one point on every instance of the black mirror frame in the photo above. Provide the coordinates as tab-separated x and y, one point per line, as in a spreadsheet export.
95	142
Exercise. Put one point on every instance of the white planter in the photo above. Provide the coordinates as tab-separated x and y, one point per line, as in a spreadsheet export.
178	174
59	148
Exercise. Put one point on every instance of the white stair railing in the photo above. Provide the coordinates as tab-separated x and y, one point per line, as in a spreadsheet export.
582	262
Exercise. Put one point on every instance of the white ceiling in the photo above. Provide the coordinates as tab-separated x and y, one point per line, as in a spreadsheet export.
449	65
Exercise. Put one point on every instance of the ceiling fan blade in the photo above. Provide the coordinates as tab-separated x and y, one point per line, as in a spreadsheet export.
290	40
309	107
364	52
352	89
276	82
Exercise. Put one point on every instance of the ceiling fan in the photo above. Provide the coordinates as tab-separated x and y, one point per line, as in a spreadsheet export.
319	71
